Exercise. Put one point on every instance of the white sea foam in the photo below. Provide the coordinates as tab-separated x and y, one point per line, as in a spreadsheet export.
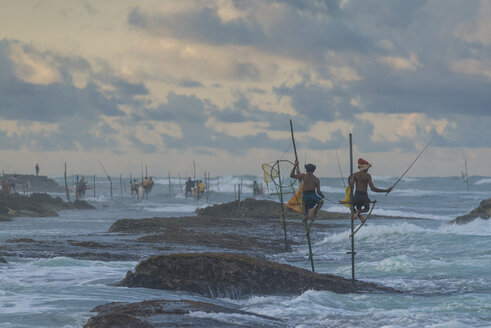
375	231
483	181
406	214
171	208
229	318
478	227
332	189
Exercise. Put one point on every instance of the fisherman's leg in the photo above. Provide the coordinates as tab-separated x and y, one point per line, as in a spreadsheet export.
319	205
306	213
357	213
362	219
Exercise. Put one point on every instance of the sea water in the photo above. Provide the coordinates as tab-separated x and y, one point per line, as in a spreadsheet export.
443	271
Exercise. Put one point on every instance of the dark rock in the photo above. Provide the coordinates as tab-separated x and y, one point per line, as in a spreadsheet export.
39	183
2	260
35	205
234	276
164	313
216	239
21	240
253	208
483	211
89	244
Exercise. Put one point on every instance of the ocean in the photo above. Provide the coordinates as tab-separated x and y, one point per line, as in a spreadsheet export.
443	270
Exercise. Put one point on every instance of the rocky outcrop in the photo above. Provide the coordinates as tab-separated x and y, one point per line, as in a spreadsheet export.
234	276
32	183
253	208
483	211
35	205
182	313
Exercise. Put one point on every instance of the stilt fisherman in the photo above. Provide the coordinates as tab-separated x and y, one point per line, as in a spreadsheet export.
362	179
310	185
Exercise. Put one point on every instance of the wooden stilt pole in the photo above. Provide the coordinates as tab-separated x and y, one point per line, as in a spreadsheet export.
307	228
352	210
66	186
93	184
282	207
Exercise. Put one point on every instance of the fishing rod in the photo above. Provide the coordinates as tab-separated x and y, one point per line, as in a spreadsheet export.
421	153
103	167
339	166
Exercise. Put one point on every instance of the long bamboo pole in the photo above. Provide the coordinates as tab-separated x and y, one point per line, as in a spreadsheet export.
352	211
307	228
282	207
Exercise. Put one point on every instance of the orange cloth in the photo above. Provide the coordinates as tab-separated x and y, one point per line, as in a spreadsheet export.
295	203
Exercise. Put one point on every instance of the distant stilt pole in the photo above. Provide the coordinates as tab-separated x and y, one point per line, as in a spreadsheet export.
146	171
121	185
235	192
170	186
218	184
93	185
207	179
194	168
352	211
66	186
179	180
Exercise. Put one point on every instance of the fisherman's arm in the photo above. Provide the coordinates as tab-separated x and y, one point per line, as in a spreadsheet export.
292	173
375	189
351	181
318	187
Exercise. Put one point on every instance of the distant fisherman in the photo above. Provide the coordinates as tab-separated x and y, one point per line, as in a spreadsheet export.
310	184
189	187
362	179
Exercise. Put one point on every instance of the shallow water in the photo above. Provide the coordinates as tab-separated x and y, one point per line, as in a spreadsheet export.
444	270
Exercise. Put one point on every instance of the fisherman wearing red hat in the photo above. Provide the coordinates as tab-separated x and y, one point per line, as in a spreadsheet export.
310	184
362	179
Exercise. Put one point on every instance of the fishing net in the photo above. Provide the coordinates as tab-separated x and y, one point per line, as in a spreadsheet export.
267	170
279	176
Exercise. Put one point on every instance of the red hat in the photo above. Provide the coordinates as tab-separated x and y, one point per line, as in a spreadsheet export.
363	165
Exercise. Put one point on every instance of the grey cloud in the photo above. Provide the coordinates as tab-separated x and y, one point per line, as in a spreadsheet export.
190	84
145	147
294	34
179	108
128	88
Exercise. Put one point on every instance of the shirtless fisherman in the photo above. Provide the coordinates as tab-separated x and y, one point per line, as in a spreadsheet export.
310	184
362	178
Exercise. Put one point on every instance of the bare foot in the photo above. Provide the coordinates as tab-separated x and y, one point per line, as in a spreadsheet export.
362	219
357	213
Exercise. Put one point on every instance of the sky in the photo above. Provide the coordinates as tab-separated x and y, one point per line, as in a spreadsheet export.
162	83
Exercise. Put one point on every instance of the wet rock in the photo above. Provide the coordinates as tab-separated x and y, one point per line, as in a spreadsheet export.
483	211
21	240
253	208
234	276
35	205
215	239
2	260
89	244
182	313
41	183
